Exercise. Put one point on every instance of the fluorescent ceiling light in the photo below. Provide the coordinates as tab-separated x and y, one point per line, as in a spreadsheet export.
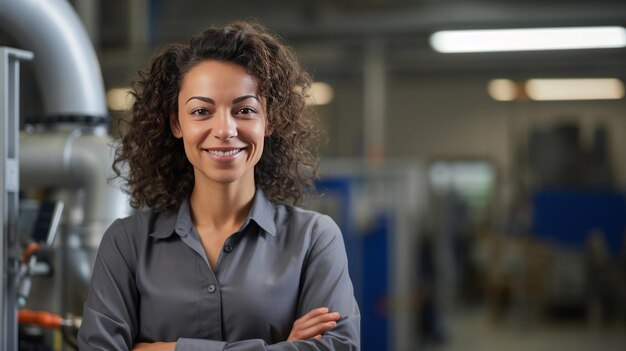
120	99
502	89
491	40
575	89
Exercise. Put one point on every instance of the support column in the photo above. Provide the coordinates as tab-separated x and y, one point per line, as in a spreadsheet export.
139	24
374	101
9	184
88	11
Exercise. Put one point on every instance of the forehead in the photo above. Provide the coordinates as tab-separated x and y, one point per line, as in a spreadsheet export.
218	75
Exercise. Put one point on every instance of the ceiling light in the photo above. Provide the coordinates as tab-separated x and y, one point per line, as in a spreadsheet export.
575	89
120	99
320	94
502	89
491	40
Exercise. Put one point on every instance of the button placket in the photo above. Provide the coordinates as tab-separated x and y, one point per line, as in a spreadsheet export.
228	248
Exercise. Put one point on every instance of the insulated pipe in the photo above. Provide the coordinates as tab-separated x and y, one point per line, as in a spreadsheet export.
65	63
76	159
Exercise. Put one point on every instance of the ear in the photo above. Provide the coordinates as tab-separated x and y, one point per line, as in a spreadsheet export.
175	126
268	130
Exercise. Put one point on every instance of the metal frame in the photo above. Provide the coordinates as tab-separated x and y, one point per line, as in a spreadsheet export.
9	182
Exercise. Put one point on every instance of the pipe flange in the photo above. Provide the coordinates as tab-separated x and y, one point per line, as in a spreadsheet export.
85	120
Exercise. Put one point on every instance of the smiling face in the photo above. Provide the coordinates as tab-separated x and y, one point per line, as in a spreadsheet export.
222	121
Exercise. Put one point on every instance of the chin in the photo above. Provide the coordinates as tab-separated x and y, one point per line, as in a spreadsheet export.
227	177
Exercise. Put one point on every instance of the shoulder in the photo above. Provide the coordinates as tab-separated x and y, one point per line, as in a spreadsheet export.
135	225
127	235
298	221
300	216
316	234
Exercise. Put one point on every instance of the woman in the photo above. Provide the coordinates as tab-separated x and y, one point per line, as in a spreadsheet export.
215	144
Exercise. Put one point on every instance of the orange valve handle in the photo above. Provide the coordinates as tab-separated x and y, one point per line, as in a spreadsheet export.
29	250
41	318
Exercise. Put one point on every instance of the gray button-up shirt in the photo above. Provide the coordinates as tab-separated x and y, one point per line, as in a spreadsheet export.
152	282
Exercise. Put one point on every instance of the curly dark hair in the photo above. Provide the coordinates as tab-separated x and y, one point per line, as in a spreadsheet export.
152	162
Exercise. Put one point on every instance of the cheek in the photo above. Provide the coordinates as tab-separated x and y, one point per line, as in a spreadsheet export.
255	132
191	133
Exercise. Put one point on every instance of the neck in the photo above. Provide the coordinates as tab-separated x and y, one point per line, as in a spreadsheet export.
220	206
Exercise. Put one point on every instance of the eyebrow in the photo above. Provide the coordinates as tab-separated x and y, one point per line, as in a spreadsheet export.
245	97
235	101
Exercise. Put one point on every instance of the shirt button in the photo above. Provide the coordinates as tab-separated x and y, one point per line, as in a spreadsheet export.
211	288
228	248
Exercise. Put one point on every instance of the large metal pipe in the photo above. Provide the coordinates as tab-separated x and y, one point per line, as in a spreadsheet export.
66	65
70	81
76	159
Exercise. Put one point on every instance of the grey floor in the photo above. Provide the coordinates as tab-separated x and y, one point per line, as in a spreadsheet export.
471	330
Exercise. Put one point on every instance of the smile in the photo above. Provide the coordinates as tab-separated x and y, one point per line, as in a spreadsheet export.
222	153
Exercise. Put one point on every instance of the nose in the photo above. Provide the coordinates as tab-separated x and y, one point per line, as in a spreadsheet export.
225	126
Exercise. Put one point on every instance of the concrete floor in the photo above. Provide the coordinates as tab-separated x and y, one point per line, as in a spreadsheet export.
471	330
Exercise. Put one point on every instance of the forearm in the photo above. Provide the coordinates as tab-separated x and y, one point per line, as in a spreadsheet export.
345	336
322	344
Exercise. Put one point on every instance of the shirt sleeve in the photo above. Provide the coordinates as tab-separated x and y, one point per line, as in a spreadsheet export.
325	283
109	314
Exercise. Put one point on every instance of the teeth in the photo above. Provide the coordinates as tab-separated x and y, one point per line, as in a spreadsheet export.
224	153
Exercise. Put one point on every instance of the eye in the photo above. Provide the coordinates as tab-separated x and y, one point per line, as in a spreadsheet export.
245	111
200	112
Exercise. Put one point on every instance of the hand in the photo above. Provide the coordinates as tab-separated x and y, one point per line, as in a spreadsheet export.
313	324
156	346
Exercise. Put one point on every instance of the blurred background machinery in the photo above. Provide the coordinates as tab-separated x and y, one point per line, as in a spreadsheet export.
64	156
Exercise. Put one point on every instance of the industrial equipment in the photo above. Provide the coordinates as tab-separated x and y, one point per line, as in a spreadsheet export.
65	157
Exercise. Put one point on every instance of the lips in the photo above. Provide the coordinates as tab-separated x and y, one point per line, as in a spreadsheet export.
225	153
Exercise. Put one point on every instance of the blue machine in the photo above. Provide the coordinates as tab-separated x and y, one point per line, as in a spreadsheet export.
567	217
368	261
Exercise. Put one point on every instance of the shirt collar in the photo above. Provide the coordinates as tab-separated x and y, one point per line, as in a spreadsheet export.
166	222
170	222
262	212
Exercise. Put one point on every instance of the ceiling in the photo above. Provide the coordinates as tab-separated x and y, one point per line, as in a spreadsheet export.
331	36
